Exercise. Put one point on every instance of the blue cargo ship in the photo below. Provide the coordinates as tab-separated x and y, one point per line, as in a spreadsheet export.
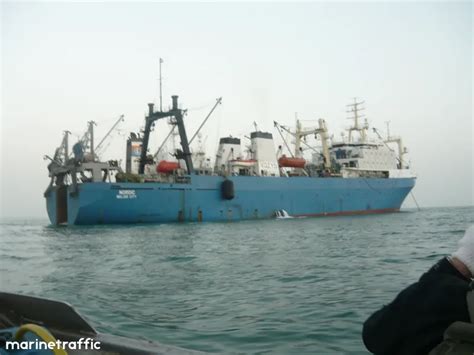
354	176
200	199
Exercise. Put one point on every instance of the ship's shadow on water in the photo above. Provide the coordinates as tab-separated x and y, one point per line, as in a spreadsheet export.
278	286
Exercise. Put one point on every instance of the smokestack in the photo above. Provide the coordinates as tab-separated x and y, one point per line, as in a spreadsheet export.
175	102
150	109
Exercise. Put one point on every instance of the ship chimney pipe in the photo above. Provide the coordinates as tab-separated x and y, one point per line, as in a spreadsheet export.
175	102
150	109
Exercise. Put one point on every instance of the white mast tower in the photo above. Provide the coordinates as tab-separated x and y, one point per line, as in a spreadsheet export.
355	109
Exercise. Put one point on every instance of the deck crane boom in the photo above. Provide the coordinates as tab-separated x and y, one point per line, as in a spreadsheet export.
391	139
218	101
120	119
296	135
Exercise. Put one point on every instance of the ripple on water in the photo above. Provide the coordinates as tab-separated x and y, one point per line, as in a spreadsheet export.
292	286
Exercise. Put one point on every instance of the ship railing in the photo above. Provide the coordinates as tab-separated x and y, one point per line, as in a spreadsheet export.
179	179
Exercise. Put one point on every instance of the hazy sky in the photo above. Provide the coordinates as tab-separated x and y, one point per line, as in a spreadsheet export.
66	63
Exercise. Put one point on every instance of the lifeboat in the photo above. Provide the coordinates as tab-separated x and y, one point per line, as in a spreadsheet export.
167	167
285	162
242	162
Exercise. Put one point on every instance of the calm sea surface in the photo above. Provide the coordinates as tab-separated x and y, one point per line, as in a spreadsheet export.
279	286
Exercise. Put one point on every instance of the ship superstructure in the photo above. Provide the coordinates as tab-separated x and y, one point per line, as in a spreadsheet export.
255	180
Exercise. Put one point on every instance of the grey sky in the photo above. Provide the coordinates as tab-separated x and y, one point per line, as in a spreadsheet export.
66	63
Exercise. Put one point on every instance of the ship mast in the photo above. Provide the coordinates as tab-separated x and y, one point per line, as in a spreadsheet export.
299	134
87	140
91	137
161	97
66	145
355	109
323	132
298	138
61	154
388	129
178	117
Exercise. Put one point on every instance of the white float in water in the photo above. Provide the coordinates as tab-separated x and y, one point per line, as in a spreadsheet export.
282	214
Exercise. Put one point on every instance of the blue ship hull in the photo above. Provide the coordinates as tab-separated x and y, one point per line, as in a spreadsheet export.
201	199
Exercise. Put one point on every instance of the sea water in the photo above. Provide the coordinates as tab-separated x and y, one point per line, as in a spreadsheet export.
289	286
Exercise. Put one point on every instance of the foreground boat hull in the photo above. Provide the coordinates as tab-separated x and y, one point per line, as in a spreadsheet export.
201	199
